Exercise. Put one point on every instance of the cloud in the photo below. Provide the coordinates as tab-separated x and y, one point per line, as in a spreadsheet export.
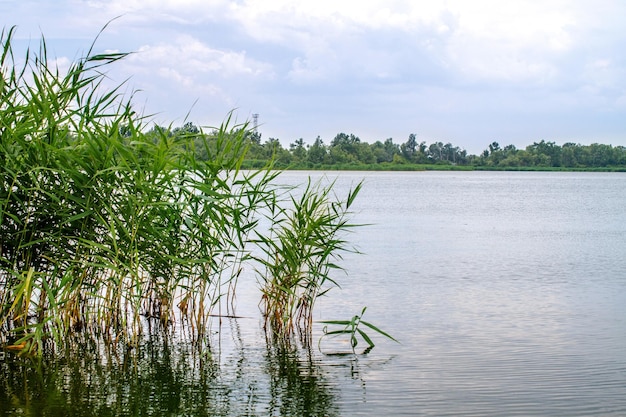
604	85
482	42
462	70
328	40
193	66
196	57
171	75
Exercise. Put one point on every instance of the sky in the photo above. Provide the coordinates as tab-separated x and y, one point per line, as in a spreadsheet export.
458	71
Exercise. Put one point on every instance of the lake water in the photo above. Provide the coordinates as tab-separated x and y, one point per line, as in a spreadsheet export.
507	291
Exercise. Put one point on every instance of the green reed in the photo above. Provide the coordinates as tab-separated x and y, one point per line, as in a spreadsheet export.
107	228
306	239
354	329
103	224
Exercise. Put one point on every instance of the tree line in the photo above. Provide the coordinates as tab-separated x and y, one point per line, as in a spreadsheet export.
348	151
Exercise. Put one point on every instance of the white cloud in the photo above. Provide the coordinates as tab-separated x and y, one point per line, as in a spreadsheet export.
196	62
514	42
187	69
477	40
302	71
196	56
604	85
61	64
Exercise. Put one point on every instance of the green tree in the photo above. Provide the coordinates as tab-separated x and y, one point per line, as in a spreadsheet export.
378	148
347	143
435	152
600	155
298	150
338	155
570	155
317	152
187	128
385	151
365	153
409	148
551	153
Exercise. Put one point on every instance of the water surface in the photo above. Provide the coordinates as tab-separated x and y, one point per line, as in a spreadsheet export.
507	291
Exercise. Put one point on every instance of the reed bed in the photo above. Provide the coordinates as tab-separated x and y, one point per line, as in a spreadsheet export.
107	227
103	224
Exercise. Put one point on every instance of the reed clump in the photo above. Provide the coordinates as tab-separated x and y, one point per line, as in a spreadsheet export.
107	227
305	242
103	223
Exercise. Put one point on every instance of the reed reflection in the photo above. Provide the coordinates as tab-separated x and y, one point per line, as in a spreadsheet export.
164	376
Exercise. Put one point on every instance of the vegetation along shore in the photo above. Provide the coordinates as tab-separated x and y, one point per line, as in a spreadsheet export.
349	152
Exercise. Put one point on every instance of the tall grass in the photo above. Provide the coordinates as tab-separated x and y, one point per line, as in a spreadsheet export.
103	224
306	239
107	227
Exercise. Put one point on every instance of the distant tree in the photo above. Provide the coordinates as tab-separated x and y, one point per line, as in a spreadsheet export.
255	137
157	130
188	127
298	150
435	151
620	155
409	148
365	153
317	152
548	152
346	148
349	149
378	148
256	150
338	155
600	155
347	143
125	131
509	150
570	155
391	149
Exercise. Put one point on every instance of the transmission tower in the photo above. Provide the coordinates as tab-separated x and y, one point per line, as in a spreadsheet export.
255	122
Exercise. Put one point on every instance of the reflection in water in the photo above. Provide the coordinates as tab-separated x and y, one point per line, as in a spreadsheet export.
166	377
297	387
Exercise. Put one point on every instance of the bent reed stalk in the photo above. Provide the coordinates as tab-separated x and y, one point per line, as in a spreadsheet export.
105	226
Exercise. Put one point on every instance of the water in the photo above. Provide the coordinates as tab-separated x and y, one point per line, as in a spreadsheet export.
506	290
509	287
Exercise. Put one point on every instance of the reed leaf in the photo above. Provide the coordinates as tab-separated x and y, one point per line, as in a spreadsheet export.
352	328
